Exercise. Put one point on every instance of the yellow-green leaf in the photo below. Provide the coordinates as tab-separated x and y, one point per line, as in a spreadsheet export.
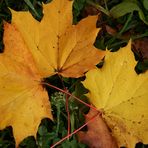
122	96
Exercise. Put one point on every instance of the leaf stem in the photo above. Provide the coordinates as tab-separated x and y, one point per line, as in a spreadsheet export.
67	107
88	105
68	114
99	7
120	33
126	24
92	119
140	36
58	119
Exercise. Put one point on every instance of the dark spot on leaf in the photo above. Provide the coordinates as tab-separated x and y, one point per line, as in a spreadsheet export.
125	62
133	122
142	116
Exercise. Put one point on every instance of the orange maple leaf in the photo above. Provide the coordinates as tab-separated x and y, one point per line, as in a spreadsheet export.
35	50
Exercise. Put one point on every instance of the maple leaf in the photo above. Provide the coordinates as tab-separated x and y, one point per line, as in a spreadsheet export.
122	96
97	134
23	101
62	47
35	50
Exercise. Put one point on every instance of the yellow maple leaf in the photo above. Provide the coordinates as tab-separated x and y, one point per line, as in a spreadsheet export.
62	47
35	50
122	95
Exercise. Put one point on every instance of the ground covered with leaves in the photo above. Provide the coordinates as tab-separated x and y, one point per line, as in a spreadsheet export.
120	21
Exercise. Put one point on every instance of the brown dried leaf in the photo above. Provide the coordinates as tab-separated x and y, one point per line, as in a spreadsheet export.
98	135
141	48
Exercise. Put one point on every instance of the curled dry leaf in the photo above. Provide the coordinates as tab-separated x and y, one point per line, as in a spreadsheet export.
140	47
122	95
90	10
98	134
35	50
110	30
